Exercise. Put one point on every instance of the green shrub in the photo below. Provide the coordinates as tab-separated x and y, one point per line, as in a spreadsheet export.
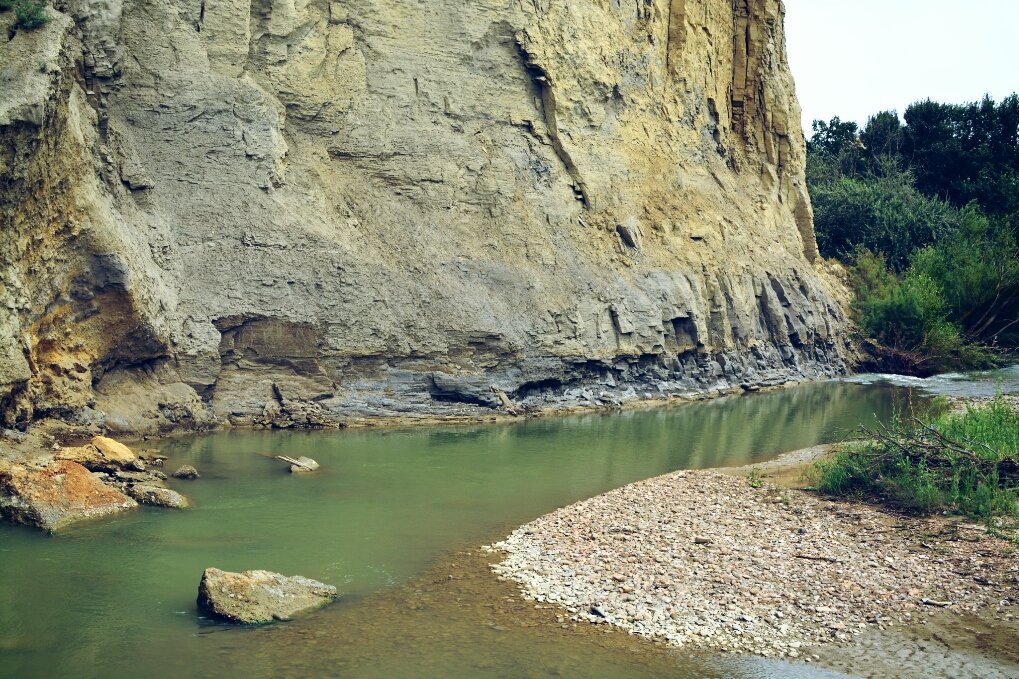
934	203
881	212
906	313
909	313
30	14
968	463
978	269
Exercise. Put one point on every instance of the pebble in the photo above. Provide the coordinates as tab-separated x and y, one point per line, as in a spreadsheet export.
703	560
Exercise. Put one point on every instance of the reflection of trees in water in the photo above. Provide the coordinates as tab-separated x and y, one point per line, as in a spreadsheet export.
751	429
727	431
616	448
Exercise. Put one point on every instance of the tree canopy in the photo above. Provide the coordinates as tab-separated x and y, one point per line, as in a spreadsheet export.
925	210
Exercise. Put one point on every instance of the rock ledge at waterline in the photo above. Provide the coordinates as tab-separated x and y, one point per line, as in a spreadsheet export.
260	596
704	560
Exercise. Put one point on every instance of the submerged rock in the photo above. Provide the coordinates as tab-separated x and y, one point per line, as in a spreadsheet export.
56	495
152	457
260	596
186	472
158	496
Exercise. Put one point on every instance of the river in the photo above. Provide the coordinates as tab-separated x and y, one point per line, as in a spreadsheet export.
389	510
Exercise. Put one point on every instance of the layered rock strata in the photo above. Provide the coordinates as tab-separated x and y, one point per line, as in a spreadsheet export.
298	212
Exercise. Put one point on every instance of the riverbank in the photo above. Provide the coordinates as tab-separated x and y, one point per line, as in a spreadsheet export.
959	404
705	560
43	437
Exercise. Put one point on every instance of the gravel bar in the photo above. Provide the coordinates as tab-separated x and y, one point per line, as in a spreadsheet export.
706	561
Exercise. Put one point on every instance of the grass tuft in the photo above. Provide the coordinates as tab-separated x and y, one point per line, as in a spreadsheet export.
963	462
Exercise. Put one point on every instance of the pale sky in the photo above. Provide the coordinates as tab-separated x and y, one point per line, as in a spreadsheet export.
854	58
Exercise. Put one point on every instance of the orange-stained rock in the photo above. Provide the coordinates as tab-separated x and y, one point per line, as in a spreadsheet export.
114	451
56	495
102	454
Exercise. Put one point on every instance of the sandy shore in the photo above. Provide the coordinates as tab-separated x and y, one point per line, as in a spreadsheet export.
705	561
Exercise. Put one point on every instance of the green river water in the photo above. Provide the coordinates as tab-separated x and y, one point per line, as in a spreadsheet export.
116	598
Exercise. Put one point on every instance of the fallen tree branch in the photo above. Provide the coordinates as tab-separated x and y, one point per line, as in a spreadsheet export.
816	557
295	462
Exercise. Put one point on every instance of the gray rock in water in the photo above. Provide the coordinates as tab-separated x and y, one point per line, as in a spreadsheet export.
152	457
158	496
132	477
186	472
306	465
260	596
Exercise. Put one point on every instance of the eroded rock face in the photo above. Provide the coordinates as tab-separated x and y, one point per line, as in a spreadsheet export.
260	596
56	495
297	212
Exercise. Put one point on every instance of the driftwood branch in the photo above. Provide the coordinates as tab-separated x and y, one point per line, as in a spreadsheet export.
505	401
937	452
816	557
295	462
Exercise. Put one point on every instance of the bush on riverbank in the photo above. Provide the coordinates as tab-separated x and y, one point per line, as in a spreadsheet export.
961	462
911	313
925	215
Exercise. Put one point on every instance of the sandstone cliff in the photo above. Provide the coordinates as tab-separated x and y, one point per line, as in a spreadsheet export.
302	211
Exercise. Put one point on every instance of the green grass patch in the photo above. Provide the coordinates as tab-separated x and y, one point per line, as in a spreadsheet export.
964	462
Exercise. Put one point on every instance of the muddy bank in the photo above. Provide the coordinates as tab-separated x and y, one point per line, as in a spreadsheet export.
705	560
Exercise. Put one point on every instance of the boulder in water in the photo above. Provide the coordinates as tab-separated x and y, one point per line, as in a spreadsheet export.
56	495
186	472
158	496
260	596
102	454
115	451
